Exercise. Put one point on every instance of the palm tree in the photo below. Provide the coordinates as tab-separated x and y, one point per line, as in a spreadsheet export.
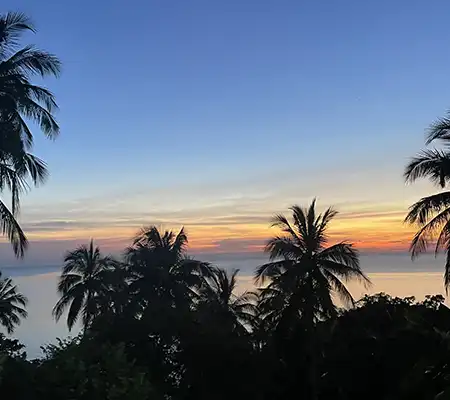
83	284
303	275
161	269
12	305
218	295
20	101
303	272
432	213
19	98
17	167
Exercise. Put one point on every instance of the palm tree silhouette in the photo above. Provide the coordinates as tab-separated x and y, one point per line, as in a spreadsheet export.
12	305
17	168
218	296
432	213
82	284
303	273
160	270
19	98
20	101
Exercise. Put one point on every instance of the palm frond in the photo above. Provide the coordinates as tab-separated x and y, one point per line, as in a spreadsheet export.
443	240
12	26
322	222
41	116
60	307
439	130
422	210
311	219
41	95
340	289
12	305
319	302
148	237
74	311
30	60
281	222
11	228
343	253
26	135
271	270
299	216
180	243
13	180
428	231
283	247
30	165
433	164
345	271
76	260
67	282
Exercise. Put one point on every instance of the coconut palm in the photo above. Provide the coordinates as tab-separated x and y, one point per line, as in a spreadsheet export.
12	304
218	294
303	275
432	213
21	100
83	284
161	269
303	272
18	169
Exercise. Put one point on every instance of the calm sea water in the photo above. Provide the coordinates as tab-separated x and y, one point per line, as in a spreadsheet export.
395	274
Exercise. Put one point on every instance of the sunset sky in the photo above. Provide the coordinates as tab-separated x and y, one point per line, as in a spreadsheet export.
217	114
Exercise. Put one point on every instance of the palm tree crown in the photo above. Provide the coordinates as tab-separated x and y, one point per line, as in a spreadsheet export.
432	213
160	267
218	294
12	305
82	284
303	272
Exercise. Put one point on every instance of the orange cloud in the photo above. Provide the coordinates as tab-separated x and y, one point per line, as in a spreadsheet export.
370	227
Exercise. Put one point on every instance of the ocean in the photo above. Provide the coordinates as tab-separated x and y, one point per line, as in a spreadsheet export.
392	273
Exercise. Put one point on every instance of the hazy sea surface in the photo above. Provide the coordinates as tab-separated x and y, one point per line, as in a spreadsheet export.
392	273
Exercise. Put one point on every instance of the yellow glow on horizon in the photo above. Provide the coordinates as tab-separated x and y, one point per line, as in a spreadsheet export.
397	284
367	229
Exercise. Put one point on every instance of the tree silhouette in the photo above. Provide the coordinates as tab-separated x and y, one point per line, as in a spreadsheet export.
303	273
21	100
431	214
12	305
83	284
162	275
218	297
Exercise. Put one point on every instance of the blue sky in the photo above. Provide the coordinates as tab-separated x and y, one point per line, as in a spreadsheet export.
185	112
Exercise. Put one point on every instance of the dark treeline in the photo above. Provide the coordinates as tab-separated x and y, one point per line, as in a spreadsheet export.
157	324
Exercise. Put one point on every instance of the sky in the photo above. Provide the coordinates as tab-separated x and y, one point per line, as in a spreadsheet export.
216	115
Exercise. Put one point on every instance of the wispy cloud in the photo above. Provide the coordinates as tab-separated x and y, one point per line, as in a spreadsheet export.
231	216
210	230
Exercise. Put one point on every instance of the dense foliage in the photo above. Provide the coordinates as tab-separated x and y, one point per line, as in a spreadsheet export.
158	324
384	348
